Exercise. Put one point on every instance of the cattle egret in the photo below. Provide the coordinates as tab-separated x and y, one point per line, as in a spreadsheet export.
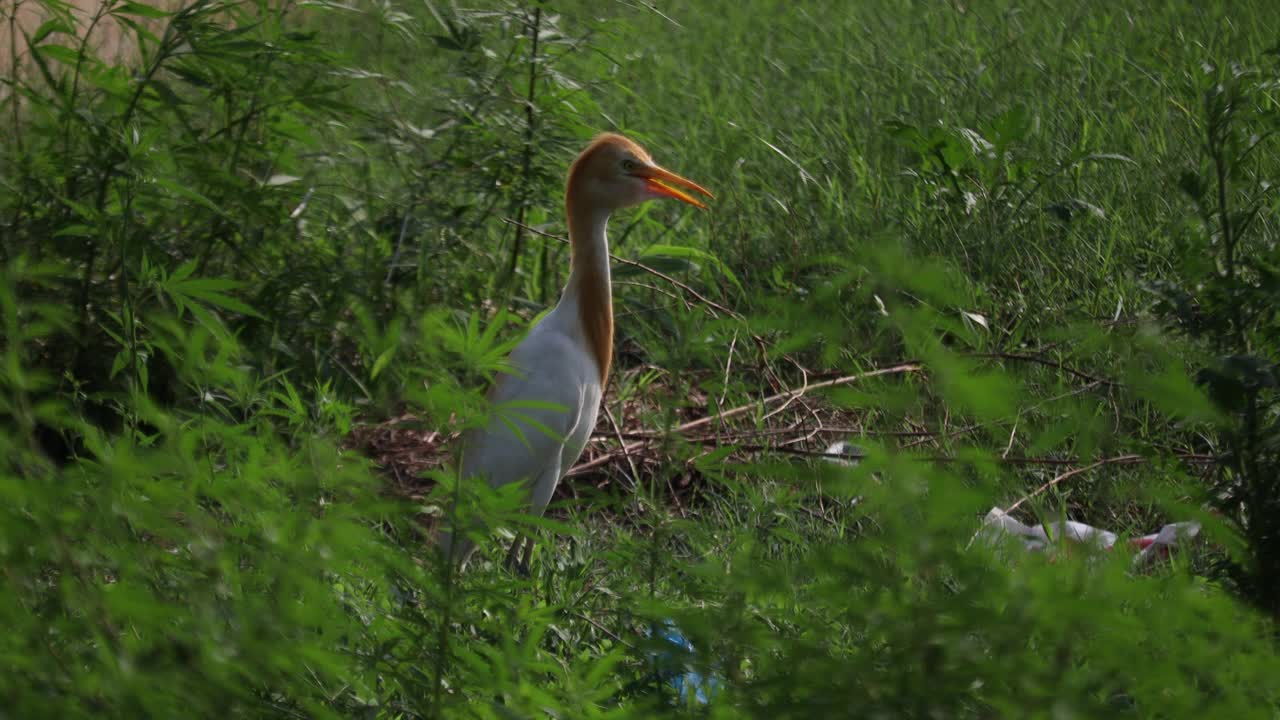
564	361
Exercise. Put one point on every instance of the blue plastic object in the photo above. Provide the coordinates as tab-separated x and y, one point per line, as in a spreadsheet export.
681	676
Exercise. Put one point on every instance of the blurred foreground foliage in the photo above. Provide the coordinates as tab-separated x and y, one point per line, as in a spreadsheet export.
275	223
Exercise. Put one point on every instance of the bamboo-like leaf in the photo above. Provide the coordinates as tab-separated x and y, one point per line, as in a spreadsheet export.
187	193
49	27
139	9
380	364
691	253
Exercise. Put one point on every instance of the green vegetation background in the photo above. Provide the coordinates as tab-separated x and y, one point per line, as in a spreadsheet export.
277	225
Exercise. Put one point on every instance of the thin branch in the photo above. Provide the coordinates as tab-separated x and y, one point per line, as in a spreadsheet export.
1117	460
718	417
654	288
728	365
395	256
530	129
656	273
1047	363
612	635
1194	458
825	430
907	367
635	474
976	426
804	378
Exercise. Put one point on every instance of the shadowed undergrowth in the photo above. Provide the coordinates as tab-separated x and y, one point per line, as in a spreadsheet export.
257	277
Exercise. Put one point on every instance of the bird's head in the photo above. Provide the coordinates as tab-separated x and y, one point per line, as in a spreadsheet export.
614	173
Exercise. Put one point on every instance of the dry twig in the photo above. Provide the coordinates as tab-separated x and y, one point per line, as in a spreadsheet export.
734	412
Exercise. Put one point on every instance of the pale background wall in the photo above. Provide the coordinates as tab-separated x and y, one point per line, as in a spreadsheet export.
110	40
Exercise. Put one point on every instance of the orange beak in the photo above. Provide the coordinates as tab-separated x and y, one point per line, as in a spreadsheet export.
667	184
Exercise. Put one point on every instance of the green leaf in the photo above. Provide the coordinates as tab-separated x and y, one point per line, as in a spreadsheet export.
1173	392
165	93
139	31
1010	126
210	291
192	74
48	28
139	9
201	285
204	317
1111	157
76	231
64	55
187	193
381	363
121	359
183	272
691	253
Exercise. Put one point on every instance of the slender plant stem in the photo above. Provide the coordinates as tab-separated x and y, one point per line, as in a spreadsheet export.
526	162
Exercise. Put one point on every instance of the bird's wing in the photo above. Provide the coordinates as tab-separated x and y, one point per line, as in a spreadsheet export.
532	414
545	486
578	437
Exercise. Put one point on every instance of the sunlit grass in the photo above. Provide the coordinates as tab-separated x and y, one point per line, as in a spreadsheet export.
267	235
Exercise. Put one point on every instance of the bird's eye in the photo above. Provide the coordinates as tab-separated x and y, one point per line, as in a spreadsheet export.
629	165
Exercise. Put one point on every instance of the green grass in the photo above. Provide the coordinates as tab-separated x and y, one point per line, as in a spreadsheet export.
217	267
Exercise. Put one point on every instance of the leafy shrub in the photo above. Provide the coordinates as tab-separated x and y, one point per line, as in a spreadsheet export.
278	223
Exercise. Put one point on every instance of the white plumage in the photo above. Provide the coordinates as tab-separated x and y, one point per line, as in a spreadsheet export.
565	358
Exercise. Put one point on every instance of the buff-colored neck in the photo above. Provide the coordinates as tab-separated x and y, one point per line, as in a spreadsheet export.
589	278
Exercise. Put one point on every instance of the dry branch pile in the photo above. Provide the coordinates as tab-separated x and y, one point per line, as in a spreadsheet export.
794	422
